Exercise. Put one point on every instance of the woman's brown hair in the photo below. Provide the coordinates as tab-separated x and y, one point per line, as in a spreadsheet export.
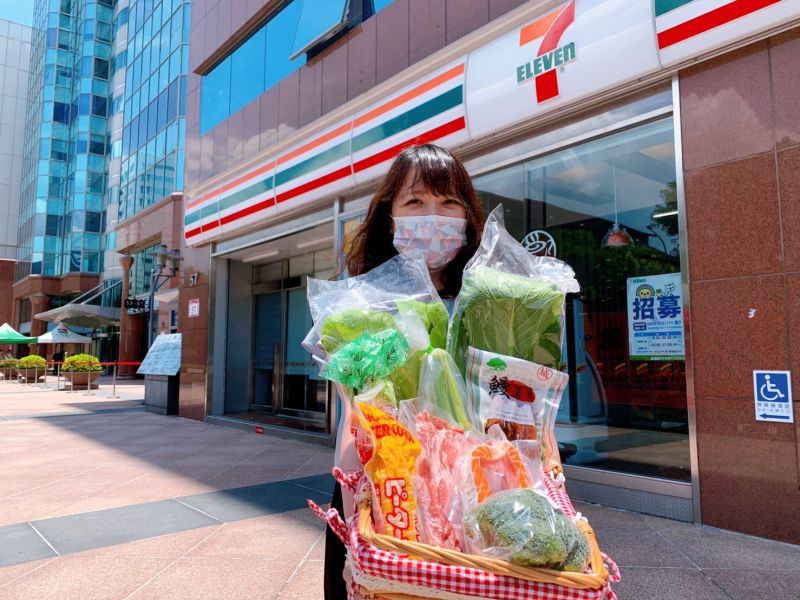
442	174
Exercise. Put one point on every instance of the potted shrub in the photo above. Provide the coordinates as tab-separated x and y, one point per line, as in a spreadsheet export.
8	368
32	368
81	369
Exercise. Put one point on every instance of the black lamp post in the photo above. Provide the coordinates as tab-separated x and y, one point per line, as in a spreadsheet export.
164	259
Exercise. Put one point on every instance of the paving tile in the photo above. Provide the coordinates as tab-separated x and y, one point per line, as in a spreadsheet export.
639	583
163	546
256	500
284	536
602	518
20	543
746	585
714	548
9	574
306	582
212	579
86	531
81	578
640	549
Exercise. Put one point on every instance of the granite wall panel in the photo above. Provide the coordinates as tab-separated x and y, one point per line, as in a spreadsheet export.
740	117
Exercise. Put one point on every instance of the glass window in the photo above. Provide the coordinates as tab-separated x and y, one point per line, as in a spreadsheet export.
101	68
608	208
247	82
215	96
317	22
280	32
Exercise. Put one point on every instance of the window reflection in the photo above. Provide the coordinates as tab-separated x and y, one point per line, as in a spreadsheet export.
625	409
238	79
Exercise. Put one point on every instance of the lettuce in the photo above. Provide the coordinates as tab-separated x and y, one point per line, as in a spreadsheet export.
507	314
349	325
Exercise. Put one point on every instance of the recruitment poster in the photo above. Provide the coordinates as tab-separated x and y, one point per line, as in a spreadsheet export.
655	318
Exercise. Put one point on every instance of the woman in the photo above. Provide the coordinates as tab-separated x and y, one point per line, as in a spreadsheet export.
426	203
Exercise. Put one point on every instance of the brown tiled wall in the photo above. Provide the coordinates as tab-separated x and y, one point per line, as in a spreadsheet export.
405	32
6	291
741	151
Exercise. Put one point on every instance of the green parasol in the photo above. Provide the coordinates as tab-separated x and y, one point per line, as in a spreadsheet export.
9	335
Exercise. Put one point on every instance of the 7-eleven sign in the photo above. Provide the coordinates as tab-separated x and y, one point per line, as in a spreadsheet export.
551	53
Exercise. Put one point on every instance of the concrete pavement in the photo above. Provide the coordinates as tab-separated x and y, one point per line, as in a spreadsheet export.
101	499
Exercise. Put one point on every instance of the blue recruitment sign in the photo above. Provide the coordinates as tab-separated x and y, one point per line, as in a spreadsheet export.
655	317
772	391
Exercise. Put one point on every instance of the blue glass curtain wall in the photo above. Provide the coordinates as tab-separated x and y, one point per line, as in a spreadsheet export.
264	58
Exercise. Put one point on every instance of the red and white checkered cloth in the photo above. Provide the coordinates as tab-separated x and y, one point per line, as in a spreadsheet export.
377	564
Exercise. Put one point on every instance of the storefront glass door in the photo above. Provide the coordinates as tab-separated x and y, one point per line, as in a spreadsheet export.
608	208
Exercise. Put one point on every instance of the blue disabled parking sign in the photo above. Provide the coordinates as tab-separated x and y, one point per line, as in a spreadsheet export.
773	396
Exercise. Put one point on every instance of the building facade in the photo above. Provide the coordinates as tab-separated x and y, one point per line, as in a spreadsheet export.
146	193
651	145
104	143
15	49
62	201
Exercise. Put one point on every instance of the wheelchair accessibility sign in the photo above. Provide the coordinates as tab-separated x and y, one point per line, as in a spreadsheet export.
773	396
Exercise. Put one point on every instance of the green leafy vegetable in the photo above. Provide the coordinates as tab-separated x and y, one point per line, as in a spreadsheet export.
370	358
507	314
348	325
433	315
441	383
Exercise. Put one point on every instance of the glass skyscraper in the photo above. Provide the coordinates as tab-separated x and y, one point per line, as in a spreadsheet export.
155	103
104	128
64	168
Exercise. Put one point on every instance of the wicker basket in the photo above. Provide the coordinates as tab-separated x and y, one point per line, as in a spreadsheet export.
580	581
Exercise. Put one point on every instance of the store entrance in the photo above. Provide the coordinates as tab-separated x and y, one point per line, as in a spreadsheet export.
269	377
286	385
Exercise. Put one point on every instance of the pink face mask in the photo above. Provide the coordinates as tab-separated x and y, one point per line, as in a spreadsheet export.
440	239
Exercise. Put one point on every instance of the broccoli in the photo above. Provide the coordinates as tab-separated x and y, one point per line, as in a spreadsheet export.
524	527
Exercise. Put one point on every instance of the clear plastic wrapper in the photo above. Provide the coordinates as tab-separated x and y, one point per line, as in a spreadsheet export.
441	383
488	464
511	302
390	467
515	394
524	527
396	295
441	441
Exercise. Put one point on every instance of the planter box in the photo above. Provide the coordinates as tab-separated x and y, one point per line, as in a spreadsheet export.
8	373
80	379
30	375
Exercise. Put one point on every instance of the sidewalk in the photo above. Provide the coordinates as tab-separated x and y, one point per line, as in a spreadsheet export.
101	499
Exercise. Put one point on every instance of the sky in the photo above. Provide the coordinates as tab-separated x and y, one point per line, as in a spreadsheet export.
20	11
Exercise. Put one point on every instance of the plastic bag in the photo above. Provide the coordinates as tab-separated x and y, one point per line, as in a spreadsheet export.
487	465
390	468
396	295
517	395
524	527
441	441
441	383
368	359
511	302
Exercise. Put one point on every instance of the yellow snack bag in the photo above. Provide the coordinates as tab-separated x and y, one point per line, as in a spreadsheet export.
390	469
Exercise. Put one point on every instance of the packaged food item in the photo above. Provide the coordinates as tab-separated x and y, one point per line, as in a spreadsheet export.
524	527
487	464
390	469
367	360
441	383
441	442
520	396
344	310
511	301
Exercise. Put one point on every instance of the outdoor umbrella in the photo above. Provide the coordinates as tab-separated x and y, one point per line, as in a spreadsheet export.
63	335
9	335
